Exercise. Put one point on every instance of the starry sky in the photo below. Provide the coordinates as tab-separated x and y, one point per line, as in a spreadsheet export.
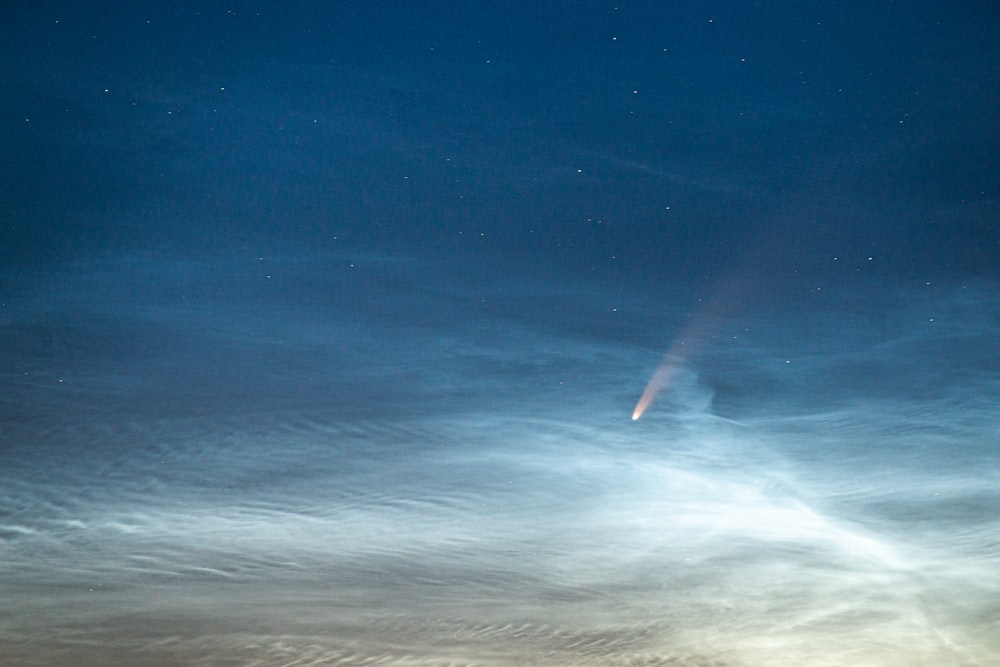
323	327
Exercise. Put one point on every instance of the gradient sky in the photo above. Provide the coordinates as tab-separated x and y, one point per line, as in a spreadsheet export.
322	325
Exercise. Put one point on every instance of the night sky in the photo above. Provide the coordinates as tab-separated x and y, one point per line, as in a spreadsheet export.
324	327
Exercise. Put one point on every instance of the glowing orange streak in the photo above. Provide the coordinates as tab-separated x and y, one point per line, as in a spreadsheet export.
692	337
679	354
661	378
685	347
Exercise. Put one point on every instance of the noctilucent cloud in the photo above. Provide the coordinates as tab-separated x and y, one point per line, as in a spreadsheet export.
499	334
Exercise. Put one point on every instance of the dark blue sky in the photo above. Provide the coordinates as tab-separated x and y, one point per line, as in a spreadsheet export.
549	333
640	137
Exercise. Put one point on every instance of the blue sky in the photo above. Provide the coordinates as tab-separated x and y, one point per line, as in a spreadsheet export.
323	326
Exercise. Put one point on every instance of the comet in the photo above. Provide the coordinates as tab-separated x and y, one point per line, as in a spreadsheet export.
686	346
661	379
